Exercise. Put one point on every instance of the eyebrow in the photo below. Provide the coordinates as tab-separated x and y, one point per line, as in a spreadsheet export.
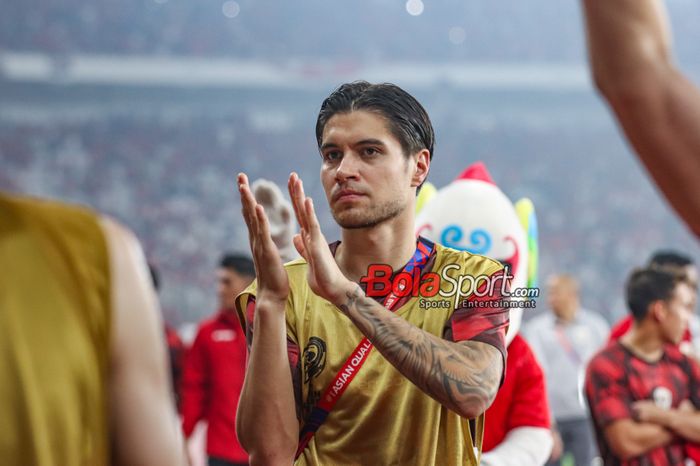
363	142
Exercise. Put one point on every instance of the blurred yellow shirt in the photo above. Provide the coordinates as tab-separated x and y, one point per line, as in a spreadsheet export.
54	335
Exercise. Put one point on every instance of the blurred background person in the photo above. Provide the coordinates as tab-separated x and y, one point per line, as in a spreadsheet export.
563	340
642	391
279	215
674	262
82	357
215	368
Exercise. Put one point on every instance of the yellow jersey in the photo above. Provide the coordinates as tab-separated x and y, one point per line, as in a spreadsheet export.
382	418
54	335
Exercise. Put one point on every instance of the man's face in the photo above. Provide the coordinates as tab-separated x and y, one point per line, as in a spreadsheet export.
562	297
677	311
230	283
366	177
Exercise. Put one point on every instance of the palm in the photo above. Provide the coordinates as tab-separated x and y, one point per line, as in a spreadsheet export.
324	277
273	282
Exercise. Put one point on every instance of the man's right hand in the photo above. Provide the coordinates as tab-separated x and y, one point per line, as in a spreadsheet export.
273	284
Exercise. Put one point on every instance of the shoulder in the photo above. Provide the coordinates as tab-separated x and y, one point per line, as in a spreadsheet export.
69	219
207	326
473	264
608	361
296	270
674	354
519	347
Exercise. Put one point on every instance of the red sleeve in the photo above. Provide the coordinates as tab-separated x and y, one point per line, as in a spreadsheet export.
176	351
620	328
195	384
608	396
529	406
482	318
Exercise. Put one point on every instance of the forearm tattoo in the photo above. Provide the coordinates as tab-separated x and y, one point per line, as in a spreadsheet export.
462	376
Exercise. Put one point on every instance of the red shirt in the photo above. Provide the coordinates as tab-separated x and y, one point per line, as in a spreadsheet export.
176	349
616	378
522	399
212	382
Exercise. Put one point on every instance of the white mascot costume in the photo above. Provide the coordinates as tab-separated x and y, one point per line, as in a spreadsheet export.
472	214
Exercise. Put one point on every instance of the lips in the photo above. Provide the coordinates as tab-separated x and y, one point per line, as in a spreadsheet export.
347	195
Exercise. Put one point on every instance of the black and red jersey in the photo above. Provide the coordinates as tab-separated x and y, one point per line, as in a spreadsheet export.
616	378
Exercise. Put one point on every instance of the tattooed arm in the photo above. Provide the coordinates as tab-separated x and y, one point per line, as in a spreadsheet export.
463	376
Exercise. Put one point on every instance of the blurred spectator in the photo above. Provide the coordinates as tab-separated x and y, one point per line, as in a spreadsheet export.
215	368
674	262
450	31
176	349
642	391
563	341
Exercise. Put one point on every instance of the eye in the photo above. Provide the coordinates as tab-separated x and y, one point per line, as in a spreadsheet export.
370	151
332	156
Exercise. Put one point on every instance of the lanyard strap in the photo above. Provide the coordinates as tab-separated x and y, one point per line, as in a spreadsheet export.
352	365
564	341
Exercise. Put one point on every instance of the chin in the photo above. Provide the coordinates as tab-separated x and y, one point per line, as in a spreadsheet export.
352	218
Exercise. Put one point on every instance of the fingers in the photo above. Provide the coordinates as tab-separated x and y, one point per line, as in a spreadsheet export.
261	219
248	204
314	228
296	193
300	247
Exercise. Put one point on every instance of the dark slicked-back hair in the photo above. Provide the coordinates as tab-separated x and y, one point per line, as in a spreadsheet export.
645	286
407	119
669	258
239	263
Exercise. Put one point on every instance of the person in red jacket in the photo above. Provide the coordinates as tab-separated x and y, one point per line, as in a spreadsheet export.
215	367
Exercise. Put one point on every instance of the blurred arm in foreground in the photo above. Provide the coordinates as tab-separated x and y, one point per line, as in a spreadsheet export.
656	105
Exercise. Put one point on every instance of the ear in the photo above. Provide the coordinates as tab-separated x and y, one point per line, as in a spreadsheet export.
658	310
421	167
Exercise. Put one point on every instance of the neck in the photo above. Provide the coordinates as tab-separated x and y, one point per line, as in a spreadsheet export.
392	242
644	340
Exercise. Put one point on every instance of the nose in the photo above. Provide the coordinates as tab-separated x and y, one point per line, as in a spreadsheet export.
347	168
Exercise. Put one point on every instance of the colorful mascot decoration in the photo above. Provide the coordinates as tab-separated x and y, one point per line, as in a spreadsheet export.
472	214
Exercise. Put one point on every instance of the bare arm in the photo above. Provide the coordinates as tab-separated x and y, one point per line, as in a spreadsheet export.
629	439
463	376
657	107
266	421
684	421
685	424
144	426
